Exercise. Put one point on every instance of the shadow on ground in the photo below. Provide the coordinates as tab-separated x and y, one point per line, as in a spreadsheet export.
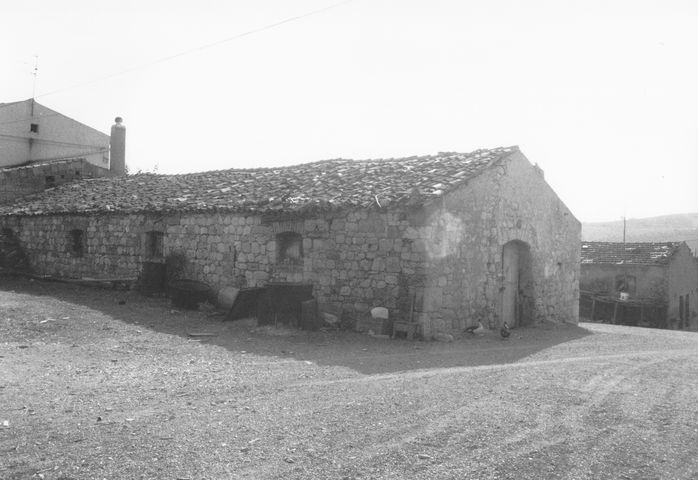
358	352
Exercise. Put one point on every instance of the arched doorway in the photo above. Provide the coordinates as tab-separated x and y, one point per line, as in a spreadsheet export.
516	283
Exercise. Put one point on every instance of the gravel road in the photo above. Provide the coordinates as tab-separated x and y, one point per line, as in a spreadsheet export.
102	384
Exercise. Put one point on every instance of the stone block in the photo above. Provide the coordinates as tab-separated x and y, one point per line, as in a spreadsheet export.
379	312
433	299
393	264
385	244
378	265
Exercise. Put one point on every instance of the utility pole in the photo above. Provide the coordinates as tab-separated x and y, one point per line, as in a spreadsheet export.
625	258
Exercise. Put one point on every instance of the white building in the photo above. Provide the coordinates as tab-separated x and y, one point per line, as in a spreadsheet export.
32	133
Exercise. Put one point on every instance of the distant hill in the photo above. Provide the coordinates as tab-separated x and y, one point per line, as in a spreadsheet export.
679	227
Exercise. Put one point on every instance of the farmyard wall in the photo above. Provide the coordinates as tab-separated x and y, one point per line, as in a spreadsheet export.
354	262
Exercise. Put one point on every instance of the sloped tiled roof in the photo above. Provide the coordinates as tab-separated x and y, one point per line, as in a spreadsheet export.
629	253
322	185
41	163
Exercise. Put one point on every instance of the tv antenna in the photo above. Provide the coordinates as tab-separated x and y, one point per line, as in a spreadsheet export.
35	73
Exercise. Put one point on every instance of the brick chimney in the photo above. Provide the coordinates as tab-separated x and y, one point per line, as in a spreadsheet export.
117	148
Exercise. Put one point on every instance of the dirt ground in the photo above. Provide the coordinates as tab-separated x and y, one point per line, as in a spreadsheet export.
108	384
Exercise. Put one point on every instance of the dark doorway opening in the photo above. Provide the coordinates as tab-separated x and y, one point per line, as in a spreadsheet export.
517	284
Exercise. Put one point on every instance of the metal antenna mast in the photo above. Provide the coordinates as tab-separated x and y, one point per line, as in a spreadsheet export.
35	72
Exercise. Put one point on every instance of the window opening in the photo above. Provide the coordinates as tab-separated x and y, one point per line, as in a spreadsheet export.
76	242
154	245
289	247
625	283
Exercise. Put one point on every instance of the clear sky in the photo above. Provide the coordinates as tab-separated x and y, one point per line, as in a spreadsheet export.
602	94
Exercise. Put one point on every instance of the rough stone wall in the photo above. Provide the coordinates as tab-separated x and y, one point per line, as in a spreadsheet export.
464	239
20	181
444	260
355	261
112	244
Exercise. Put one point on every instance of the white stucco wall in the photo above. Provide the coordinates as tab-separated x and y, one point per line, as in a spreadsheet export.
57	137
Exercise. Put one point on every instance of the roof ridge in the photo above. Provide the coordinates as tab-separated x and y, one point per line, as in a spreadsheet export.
507	150
637	253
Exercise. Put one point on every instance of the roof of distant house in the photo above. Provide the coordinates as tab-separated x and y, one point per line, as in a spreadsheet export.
42	163
322	185
629	253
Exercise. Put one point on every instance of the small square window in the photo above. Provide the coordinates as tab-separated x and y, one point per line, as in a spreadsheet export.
34	128
289	248
154	245
625	283
76	243
50	181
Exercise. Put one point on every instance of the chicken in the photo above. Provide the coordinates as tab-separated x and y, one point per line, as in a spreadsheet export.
504	331
478	329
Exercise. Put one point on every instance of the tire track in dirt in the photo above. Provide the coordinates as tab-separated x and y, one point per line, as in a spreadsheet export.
593	436
530	440
601	386
434	372
395	439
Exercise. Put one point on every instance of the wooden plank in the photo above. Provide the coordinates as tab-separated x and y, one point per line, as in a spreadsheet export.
593	308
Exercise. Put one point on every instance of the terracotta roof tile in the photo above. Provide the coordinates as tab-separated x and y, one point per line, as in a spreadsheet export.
322	185
629	253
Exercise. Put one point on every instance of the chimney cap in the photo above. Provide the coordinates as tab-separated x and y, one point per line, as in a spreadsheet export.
118	120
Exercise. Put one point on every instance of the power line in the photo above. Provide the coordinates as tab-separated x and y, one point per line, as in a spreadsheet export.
50	142
40	117
199	48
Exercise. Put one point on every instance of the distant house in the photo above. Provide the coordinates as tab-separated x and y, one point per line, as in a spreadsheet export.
441	240
41	148
661	278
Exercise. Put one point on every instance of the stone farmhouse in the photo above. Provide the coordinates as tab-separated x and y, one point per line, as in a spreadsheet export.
444	240
661	278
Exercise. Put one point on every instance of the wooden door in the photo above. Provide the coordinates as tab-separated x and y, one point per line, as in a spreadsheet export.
510	291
